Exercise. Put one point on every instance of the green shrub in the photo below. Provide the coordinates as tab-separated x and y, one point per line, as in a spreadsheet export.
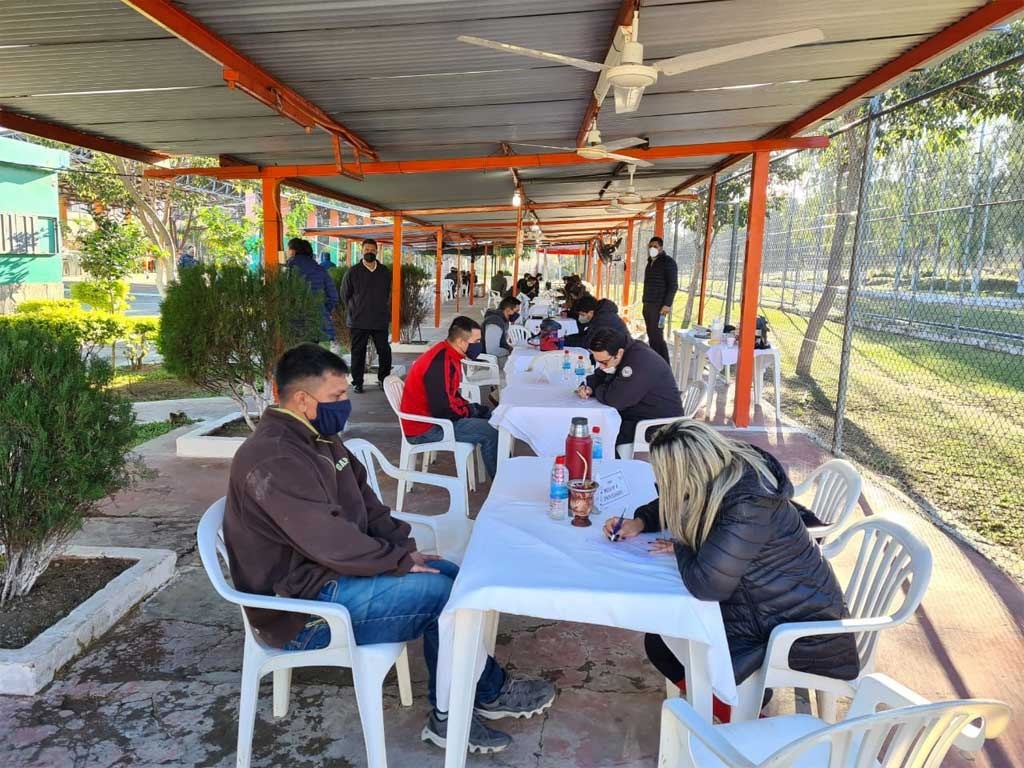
90	329
222	329
339	313
106	296
63	444
139	339
45	305
415	304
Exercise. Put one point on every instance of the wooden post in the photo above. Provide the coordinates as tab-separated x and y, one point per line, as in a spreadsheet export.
438	278
272	236
396	281
709	229
751	288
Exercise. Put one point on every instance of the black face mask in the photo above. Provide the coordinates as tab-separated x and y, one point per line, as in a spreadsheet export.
514	318
474	349
370	257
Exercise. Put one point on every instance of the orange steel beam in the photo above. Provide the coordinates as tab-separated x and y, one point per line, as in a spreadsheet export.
709	229
272	235
751	287
469	225
973	24
437	278
490	163
47	130
659	220
396	281
593	203
241	71
623	18
627	270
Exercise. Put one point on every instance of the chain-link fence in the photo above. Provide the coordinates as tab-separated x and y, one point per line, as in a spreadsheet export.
918	372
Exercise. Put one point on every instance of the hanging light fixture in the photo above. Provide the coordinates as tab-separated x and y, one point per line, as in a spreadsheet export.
517	199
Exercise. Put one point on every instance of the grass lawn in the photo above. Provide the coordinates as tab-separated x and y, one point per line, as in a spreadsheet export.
146	432
945	421
154	383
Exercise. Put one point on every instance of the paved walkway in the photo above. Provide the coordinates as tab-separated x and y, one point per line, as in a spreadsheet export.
162	687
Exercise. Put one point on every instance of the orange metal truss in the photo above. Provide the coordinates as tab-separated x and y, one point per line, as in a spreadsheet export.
46	130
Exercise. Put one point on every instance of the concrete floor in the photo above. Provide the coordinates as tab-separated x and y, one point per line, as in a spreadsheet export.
161	688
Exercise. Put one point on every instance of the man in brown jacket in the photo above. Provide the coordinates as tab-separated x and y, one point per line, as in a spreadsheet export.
301	521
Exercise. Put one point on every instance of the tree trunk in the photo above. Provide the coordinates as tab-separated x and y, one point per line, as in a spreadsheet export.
847	194
22	567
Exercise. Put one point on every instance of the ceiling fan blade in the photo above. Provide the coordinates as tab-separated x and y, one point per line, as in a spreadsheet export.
631	160
700	59
540	146
557	58
615	146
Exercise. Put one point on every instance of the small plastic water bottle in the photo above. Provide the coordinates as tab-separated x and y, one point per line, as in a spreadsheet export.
558	508
566	366
596	453
581	372
661	321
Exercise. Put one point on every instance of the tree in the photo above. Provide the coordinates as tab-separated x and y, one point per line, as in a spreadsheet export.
55	461
110	253
225	236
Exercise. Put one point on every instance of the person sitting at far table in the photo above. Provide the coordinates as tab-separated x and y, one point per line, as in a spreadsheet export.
633	379
432	389
495	328
739	540
593	315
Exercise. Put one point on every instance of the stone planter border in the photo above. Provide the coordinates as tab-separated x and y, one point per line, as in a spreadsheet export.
200	444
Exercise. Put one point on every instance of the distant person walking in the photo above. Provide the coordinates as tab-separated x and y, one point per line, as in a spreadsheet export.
325	260
366	291
186	260
660	284
302	260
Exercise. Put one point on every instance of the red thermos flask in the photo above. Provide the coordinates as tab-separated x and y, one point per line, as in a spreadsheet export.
578	450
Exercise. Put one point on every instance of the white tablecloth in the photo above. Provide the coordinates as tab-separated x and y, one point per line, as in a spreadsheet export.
522	354
690	349
568	325
521	562
540	413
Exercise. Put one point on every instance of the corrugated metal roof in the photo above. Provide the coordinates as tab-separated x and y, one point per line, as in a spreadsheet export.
392	71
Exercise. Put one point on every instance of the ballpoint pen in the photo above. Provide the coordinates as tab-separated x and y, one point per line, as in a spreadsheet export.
618	526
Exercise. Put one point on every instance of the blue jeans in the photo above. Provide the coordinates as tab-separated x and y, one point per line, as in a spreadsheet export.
394	609
469	430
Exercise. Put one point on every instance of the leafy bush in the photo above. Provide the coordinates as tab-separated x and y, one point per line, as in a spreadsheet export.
415	304
89	329
139	339
63	445
223	328
107	296
339	314
45	305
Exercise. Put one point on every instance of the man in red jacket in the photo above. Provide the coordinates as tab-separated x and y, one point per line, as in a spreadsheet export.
302	521
432	389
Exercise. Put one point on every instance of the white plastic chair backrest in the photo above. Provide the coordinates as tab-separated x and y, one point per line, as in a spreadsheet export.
837	486
393	389
213	552
368	456
517	334
906	737
693	398
890	557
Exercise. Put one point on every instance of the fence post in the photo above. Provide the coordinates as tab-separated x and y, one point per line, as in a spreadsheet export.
730	286
856	270
789	244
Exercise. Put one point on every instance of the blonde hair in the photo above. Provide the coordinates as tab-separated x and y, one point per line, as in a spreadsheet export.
695	467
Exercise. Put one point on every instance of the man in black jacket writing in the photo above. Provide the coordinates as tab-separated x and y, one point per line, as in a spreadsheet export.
660	285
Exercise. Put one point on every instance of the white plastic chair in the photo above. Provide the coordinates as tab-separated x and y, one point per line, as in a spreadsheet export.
477	374
493	299
448	289
763	360
693	401
517	335
446	535
892	564
463	452
836	485
524	306
369	663
549	365
909	733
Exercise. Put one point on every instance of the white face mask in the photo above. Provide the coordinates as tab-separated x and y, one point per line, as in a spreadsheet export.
653	251
608	371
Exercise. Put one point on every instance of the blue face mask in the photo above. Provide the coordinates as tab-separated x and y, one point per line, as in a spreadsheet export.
332	417
473	350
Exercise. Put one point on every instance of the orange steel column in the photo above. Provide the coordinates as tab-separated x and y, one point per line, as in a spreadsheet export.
271	225
708	232
396	281
472	276
659	219
437	278
627	271
597	282
751	286
519	248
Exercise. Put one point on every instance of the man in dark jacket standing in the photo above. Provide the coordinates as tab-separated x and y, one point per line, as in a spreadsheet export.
660	284
303	521
632	379
593	315
301	260
366	291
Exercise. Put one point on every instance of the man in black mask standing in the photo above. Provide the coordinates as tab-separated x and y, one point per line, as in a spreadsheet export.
660	285
366	291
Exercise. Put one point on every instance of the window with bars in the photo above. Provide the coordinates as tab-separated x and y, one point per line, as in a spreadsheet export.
34	235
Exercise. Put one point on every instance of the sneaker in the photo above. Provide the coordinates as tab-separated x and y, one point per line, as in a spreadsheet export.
357	388
482	738
519	697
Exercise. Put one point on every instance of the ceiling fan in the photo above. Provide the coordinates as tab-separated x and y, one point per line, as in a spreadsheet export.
624	68
594	149
629	197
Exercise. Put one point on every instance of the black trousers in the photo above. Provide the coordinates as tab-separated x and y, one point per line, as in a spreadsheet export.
663	659
655	335
360	338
